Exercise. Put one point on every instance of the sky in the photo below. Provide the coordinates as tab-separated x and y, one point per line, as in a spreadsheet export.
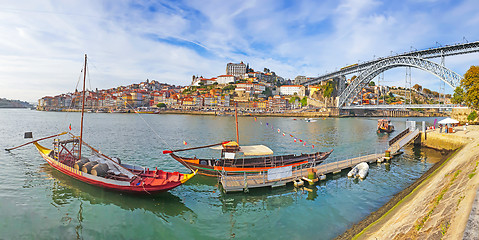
42	43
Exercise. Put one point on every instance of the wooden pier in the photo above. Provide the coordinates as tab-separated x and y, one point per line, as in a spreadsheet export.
246	181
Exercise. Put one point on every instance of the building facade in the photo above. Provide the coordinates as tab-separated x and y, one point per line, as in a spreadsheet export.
292	89
236	69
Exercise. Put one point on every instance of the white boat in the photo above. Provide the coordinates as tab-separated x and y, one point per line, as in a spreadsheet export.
363	169
353	172
359	171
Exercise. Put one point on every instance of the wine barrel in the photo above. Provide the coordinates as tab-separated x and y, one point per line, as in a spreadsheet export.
79	163
88	166
99	170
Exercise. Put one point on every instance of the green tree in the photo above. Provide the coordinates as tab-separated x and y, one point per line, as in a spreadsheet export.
472	116
268	92
458	96
470	83
228	88
161	105
304	101
328	89
427	91
293	99
372	84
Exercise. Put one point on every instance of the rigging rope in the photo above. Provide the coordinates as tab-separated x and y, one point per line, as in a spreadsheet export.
158	135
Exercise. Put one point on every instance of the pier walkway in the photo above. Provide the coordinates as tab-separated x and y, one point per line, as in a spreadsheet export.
281	176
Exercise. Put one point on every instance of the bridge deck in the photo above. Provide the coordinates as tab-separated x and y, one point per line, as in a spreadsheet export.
236	183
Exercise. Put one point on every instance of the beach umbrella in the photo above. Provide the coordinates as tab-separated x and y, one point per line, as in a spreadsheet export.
448	121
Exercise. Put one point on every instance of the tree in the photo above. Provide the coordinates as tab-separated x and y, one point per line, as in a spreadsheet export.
293	99
328	89
268	92
458	96
417	87
161	105
304	101
472	116
470	83
372	84
427	91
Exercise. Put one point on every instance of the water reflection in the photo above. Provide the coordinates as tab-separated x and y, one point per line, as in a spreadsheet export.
66	189
259	199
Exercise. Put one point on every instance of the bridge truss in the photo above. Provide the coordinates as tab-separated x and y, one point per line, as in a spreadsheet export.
449	77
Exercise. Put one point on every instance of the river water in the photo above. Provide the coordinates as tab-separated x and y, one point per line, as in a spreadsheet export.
37	202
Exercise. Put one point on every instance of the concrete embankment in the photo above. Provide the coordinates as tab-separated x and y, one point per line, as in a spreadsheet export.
440	206
444	141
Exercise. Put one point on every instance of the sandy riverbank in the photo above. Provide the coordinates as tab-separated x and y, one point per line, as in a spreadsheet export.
439	207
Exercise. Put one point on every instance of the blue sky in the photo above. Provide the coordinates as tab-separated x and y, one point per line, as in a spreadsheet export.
43	42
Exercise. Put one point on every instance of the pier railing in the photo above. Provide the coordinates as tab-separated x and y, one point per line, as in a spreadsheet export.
399	136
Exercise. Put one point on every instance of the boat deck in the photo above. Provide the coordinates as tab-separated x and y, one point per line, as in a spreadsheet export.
237	183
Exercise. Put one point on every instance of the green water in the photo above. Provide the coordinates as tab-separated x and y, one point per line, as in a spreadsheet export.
37	202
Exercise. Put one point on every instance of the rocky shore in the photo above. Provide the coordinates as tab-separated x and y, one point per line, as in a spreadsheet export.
436	206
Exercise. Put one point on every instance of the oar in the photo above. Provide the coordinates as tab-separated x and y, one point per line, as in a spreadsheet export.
8	149
193	148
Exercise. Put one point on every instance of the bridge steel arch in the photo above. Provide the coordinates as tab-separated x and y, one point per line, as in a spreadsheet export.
448	76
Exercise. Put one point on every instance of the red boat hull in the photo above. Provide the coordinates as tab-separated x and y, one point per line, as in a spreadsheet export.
148	185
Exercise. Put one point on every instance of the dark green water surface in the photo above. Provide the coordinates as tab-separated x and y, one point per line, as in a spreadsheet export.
38	202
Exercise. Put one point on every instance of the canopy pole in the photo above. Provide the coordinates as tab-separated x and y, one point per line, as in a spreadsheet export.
236	120
82	109
193	148
8	149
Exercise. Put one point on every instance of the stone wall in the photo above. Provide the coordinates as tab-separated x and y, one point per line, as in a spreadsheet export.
461	114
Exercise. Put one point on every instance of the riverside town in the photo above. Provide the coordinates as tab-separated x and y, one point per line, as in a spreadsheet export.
241	86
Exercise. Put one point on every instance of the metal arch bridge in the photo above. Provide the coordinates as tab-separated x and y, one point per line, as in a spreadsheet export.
451	78
439	52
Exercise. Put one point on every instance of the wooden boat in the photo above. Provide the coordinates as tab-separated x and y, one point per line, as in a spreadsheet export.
101	170
107	173
231	165
213	167
385	126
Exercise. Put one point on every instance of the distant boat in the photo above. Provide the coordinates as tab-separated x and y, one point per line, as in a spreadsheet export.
385	126
310	120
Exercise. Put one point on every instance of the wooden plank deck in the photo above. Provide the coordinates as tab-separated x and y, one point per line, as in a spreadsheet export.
235	183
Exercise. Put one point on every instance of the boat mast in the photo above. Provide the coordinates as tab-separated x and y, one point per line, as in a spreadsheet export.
236	120
82	109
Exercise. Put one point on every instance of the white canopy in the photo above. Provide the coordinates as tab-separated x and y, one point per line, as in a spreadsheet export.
255	150
448	121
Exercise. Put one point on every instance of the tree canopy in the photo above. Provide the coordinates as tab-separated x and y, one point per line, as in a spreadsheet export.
417	87
472	116
372	84
458	96
470	83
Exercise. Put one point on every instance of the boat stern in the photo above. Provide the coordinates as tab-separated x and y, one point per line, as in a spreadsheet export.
187	177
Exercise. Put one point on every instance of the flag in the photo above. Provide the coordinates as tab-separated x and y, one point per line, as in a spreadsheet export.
304	144
295	140
70	127
284	134
279	130
184	142
300	140
312	145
